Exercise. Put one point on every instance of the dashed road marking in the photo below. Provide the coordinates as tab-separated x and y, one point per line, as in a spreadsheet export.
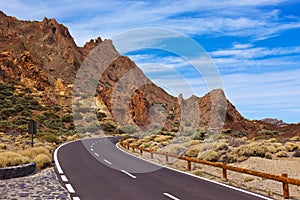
171	196
96	154
127	173
70	188
76	198
107	161
92	149
64	178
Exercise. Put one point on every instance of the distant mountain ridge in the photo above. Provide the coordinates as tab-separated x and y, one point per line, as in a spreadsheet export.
44	57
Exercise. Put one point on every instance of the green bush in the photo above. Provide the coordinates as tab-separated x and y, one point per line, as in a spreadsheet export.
108	127
8	112
26	113
67	118
196	134
21	120
268	132
48	137
93	128
128	129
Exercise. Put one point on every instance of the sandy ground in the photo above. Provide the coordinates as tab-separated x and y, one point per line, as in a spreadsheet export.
259	185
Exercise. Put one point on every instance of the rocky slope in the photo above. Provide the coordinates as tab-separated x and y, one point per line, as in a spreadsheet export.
44	57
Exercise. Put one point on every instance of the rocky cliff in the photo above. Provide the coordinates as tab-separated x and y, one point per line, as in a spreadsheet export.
44	57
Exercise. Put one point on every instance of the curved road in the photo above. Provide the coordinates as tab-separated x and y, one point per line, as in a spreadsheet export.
95	169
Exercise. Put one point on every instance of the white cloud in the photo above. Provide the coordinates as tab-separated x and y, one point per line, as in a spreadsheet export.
92	18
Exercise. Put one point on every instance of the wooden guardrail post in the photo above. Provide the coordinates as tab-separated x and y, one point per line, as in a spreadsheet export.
224	171
285	186
133	148
151	155
167	158
189	165
141	152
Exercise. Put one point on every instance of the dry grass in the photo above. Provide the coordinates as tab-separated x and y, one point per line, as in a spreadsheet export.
9	158
72	138
281	154
174	149
290	146
162	138
193	151
248	178
42	161
40	154
33	152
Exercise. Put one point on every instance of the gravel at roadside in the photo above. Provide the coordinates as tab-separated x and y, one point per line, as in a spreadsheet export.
40	186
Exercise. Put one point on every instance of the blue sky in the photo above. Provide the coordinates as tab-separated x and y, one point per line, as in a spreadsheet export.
255	44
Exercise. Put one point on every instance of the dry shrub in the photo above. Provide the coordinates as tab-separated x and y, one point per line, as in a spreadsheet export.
290	146
9	158
174	149
193	151
272	140
145	145
129	140
248	179
153	146
137	143
191	143
33	152
272	149
162	138
221	146
281	154
207	146
42	161
295	138
209	156
165	143
269	155
253	149
38	144
72	137
3	146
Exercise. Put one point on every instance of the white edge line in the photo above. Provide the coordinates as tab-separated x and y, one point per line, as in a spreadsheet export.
58	167
107	161
64	178
70	188
125	172
76	198
205	179
171	196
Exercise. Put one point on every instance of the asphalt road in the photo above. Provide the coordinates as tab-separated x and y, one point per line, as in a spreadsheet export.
96	169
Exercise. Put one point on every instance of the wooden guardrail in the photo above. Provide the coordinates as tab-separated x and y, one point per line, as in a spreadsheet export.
282	178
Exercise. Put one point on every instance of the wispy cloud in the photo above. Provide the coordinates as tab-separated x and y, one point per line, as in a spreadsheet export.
92	18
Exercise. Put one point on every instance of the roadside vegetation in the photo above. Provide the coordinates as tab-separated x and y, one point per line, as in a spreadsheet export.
17	108
218	147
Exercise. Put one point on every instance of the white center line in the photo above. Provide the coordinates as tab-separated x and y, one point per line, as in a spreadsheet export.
70	188
96	154
171	196
127	173
76	198
64	178
107	161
